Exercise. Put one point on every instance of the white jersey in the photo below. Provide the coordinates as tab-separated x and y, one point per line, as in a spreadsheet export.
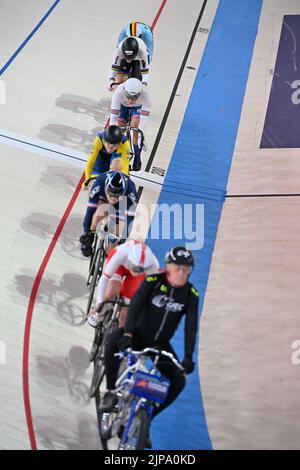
142	57
143	102
119	257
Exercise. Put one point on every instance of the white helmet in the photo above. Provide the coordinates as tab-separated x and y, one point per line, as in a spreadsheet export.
140	257
133	88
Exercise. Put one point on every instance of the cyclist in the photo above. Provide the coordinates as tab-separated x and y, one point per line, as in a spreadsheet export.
113	194
110	151
125	268
152	319
131	101
130	60
139	30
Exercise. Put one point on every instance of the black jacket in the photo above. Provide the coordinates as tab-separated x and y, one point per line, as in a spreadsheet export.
157	308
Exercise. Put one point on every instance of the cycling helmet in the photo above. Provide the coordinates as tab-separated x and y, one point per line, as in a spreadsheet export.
180	255
115	183
140	257
130	47
113	135
133	88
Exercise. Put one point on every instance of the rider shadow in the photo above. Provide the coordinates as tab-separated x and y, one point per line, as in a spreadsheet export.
64	298
60	177
56	431
98	110
59	373
69	136
44	226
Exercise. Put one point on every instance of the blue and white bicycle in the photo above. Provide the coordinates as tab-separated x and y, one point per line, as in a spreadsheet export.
140	387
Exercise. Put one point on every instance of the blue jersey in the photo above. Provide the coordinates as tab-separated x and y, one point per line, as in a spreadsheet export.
123	210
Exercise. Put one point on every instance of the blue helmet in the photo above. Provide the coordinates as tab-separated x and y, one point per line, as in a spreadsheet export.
115	183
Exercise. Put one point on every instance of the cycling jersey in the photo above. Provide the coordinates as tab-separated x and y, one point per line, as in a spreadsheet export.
143	103
157	308
116	267
140	30
142	57
123	210
99	160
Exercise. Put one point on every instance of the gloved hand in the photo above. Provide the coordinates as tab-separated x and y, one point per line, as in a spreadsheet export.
188	365
112	86
87	240
124	343
84	185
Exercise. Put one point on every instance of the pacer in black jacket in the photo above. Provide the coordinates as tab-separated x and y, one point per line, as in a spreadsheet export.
153	317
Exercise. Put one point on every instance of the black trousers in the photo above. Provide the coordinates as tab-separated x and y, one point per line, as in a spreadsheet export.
165	365
132	69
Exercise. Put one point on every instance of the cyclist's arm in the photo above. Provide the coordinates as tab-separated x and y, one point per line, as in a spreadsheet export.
145	111
143	57
145	68
115	67
97	147
138	303
116	106
117	257
190	328
92	206
128	216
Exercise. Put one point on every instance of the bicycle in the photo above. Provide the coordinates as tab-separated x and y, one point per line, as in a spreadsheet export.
107	325
139	389
97	261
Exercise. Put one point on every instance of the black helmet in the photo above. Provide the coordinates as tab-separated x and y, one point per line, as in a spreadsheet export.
113	135
115	183
130	47
180	255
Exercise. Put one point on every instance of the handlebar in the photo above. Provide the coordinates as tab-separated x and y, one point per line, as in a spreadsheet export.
119	302
126	128
157	352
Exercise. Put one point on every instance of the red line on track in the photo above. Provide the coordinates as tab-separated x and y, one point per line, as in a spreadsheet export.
34	292
158	14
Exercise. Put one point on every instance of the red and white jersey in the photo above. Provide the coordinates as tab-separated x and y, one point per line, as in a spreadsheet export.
116	267
144	102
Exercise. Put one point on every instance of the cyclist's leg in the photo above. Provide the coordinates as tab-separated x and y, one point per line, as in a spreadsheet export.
112	362
125	71
135	121
136	70
121	78
123	116
122	316
176	377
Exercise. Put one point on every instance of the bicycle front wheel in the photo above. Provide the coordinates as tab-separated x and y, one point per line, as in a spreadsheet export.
137	434
97	271
99	370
